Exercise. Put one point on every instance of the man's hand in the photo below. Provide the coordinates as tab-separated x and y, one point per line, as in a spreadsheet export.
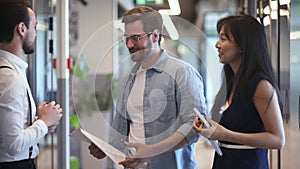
52	128
51	114
142	154
96	152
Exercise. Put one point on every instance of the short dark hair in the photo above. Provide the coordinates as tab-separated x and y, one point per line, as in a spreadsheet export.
12	13
150	18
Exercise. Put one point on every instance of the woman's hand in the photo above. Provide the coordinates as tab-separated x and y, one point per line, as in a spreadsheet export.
215	132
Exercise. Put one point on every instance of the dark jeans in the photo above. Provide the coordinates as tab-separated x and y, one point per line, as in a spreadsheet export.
23	164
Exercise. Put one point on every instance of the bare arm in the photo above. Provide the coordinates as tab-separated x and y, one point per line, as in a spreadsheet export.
172	143
266	103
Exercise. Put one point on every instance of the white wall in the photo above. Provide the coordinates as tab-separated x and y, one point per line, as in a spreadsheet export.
95	35
95	41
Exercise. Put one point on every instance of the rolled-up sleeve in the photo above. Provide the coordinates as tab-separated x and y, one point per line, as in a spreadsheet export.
191	95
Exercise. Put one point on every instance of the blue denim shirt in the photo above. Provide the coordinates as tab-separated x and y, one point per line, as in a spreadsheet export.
172	89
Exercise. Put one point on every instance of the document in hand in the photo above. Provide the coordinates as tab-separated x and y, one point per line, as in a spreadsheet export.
113	153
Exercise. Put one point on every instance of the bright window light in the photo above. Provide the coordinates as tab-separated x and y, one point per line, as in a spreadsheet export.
170	27
174	8
266	21
119	25
295	35
274	5
267	10
284	2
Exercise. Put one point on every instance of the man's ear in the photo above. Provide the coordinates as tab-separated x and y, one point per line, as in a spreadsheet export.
155	35
21	28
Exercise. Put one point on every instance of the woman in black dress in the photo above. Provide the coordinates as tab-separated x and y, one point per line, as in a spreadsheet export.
251	121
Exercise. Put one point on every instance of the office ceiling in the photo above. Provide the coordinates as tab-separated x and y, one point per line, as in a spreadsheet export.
194	11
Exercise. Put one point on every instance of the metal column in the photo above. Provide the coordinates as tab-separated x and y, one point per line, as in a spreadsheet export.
250	7
63	149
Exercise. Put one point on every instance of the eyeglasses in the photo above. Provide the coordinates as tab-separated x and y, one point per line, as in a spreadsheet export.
135	38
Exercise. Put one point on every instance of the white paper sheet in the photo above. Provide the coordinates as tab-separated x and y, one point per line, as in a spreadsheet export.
113	153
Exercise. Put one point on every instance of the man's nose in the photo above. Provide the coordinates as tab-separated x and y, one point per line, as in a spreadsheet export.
129	43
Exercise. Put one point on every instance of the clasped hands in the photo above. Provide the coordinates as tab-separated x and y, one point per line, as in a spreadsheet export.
51	114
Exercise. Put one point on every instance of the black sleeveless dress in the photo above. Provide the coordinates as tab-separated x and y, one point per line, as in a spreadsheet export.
242	116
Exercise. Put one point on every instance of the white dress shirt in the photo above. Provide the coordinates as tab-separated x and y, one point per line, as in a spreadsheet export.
16	136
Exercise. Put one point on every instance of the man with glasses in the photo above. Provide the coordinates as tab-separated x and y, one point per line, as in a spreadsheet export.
154	111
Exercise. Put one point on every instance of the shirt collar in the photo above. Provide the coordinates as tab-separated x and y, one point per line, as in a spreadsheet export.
160	63
158	66
14	60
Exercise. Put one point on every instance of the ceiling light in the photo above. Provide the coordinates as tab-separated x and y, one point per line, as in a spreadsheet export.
170	27
295	35
174	8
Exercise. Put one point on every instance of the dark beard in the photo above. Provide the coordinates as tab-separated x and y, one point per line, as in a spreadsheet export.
28	47
141	52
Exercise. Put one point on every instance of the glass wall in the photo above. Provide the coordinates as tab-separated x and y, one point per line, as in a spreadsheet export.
292	127
42	75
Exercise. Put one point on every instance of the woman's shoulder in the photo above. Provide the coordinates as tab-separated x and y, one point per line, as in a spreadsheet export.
257	78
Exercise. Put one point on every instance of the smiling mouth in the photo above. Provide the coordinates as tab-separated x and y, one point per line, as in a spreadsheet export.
131	51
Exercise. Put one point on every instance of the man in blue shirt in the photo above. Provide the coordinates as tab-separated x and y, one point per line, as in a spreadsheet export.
154	113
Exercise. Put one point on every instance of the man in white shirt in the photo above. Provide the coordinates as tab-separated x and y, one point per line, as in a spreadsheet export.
20	128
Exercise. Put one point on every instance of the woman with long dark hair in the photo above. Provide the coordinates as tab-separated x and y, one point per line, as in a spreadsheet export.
251	121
